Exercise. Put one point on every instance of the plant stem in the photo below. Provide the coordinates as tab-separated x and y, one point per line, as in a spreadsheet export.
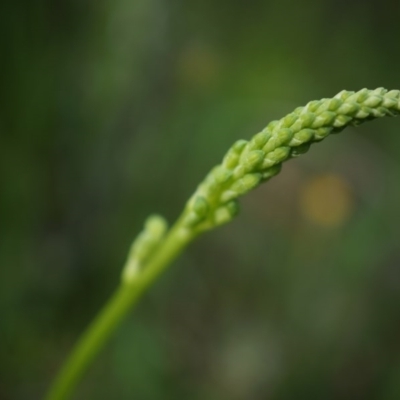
114	311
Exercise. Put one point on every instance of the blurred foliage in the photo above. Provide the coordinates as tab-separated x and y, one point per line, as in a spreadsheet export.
112	110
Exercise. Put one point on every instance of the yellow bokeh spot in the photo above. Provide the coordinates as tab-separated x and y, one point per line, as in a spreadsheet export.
326	200
198	66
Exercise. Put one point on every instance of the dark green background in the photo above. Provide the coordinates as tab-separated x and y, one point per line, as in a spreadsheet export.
112	110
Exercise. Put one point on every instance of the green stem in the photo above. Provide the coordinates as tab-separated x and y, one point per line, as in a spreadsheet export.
114	311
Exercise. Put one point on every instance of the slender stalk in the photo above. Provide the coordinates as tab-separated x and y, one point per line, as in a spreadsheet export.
106	322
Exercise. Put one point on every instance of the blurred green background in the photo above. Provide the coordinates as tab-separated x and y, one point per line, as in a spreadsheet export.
112	110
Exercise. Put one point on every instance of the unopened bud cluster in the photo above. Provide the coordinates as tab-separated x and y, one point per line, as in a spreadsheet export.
248	163
144	245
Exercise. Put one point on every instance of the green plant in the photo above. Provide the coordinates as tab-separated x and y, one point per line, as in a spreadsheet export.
244	167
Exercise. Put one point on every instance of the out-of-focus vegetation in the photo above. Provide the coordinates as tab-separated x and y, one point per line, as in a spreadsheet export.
112	110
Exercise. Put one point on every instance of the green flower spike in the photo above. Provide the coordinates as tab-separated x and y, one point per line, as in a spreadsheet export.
246	165
144	245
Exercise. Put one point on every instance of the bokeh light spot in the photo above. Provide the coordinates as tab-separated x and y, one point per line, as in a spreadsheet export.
326	200
198	66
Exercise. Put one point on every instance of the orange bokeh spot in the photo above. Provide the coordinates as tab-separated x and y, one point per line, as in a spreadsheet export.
326	200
